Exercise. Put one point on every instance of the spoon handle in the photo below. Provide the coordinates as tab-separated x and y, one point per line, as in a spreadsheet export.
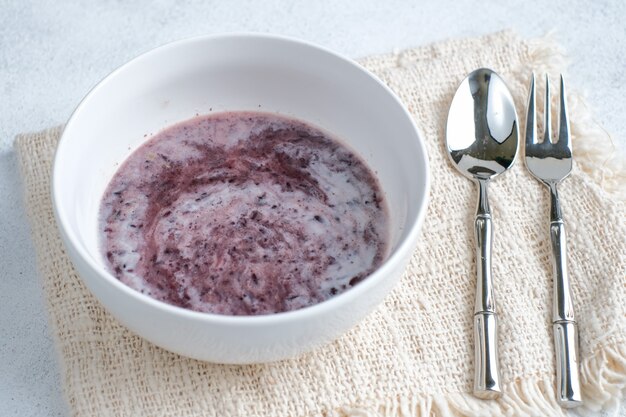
487	369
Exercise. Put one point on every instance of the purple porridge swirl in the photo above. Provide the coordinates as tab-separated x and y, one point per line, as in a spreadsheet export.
243	213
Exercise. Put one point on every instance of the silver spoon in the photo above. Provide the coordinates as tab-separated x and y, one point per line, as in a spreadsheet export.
481	137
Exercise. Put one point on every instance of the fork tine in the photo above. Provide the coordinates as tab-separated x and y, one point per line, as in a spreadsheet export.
531	121
547	119
564	139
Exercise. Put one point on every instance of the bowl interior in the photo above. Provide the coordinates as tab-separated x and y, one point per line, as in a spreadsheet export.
235	72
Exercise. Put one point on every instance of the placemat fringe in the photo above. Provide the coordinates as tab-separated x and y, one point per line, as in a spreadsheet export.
605	380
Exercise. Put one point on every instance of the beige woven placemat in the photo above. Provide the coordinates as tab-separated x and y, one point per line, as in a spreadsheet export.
413	355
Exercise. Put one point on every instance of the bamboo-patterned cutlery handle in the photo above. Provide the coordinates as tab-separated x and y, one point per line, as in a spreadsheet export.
564	325
486	364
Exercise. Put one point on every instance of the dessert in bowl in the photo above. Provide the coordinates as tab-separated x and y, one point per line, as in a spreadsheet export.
217	77
243	213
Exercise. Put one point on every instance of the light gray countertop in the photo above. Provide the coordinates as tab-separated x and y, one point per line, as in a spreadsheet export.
52	53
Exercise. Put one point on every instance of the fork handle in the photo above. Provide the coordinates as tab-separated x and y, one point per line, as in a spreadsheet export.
567	364
565	329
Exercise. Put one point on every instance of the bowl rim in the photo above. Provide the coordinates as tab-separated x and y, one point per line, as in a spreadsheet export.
406	244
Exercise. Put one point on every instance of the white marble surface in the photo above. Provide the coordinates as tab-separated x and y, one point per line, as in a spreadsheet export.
51	53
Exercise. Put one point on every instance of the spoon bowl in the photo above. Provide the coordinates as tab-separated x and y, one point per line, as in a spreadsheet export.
482	138
482	133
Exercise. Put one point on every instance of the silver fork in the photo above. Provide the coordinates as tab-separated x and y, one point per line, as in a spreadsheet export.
551	163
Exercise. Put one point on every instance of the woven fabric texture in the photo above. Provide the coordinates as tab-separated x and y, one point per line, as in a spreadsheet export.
413	355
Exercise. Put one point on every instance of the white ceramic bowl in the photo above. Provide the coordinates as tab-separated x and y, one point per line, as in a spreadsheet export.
237	72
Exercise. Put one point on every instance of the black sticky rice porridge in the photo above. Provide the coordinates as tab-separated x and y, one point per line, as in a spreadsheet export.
243	213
